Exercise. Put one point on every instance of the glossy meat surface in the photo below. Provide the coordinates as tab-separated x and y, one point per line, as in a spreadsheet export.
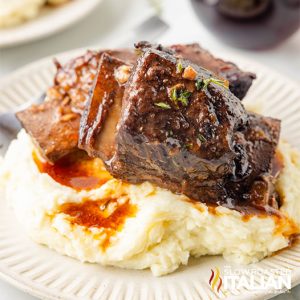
201	143
103	110
54	124
240	81
54	128
70	92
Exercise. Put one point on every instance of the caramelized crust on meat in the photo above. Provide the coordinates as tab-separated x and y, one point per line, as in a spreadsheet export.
201	143
54	128
165	118
239	81
54	124
73	82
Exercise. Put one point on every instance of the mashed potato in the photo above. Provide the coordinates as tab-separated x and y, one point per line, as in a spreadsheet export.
161	230
288	183
14	12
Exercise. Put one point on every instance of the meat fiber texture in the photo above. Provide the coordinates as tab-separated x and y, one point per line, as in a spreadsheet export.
239	81
202	144
74	80
54	124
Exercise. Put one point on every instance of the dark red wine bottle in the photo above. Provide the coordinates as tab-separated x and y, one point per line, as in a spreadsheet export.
251	24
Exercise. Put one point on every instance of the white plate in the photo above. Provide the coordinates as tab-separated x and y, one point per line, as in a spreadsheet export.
49	21
48	275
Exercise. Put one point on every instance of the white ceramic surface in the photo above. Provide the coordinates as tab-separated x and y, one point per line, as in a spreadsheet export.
48	275
49	21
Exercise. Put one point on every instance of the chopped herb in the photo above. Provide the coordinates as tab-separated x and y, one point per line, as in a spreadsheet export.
202	138
184	97
189	145
203	84
163	105
173	94
199	84
179	95
215	81
179	67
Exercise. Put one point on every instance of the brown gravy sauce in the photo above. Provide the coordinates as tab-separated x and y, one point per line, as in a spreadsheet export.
81	172
75	170
283	224
92	213
95	214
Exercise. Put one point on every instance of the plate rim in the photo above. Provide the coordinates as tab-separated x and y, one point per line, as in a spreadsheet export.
87	9
36	292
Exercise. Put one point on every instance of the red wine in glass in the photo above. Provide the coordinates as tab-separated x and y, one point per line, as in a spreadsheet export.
251	24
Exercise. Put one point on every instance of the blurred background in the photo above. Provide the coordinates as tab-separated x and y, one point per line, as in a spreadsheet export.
189	20
264	31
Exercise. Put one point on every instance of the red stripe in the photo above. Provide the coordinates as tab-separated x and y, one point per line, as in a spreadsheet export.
220	284
212	276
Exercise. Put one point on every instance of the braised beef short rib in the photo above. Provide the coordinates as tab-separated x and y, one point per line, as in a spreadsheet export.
182	129
54	125
103	110
239	82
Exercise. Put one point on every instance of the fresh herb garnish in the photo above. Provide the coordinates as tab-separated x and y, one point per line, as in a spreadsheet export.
189	145
173	94
177	94
201	138
179	67
199	84
215	81
203	84
163	105
184	97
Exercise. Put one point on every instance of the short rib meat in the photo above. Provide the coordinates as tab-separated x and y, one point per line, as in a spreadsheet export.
240	81
54	124
182	129
103	110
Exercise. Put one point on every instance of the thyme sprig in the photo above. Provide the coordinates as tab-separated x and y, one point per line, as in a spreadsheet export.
201	138
202	84
163	105
179	67
180	95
